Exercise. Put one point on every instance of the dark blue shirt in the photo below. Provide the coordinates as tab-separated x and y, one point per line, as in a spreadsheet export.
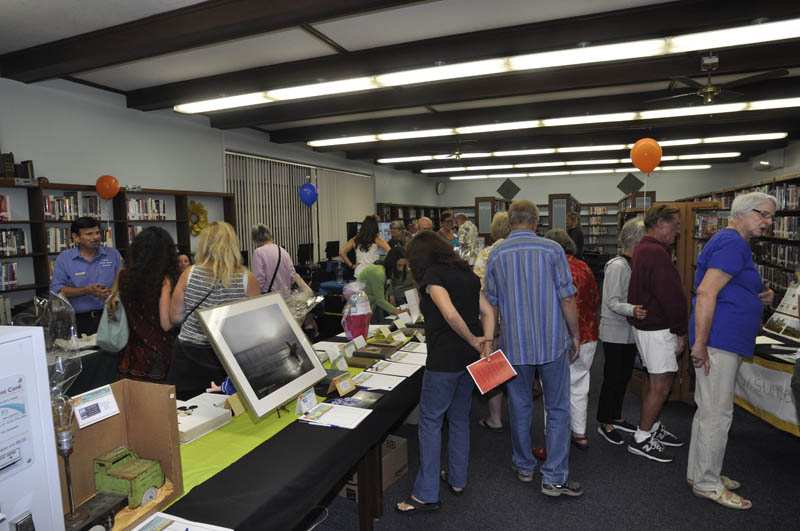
737	315
74	271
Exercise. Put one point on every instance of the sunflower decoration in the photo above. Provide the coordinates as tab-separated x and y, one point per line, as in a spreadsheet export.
198	217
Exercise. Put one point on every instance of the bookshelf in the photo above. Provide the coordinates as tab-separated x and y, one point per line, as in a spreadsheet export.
387	212
485	209
559	205
600	228
35	225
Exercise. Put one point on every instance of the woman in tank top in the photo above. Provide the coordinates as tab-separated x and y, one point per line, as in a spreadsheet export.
218	277
367	243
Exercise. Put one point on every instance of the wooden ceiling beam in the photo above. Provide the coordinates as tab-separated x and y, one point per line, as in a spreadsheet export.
201	24
641	22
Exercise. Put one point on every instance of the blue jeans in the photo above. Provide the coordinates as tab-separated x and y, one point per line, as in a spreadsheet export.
443	393
555	385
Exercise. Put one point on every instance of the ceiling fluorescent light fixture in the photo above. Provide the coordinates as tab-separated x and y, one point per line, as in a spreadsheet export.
474	155
695	156
394	160
684	142
493	167
540	164
745	138
506	175
441	73
724	38
592	162
344	140
575	172
444	170
523	152
681	168
218	104
468	177
581	149
738	36
548	173
426	133
602	118
491	128
357	84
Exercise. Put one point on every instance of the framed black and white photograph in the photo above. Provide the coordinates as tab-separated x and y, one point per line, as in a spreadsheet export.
264	350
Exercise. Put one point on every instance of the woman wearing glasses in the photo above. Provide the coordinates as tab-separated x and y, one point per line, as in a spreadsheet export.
725	321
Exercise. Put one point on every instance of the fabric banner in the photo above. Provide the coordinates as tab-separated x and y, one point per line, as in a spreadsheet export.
764	389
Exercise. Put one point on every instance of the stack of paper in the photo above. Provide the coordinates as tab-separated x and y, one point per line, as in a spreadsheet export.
373	380
332	415
415	346
401	356
394	369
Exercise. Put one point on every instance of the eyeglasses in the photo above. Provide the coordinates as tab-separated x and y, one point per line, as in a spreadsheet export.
767	216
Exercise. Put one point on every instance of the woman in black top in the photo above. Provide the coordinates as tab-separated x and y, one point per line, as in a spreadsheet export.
459	327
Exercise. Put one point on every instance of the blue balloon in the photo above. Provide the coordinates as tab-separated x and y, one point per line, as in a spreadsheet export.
308	194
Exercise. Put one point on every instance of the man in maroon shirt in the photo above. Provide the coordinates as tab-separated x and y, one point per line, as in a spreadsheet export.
660	337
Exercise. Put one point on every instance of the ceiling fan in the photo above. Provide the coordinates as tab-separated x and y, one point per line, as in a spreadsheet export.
457	152
710	92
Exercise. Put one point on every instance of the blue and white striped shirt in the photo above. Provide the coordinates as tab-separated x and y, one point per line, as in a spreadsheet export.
526	277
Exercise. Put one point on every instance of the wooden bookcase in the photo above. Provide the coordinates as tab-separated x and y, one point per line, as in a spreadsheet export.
600	228
387	212
46	229
485	209
559	205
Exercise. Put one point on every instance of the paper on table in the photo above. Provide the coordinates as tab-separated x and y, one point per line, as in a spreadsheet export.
329	349
412	298
404	318
413	358
334	415
167	522
415	346
766	340
373	380
394	369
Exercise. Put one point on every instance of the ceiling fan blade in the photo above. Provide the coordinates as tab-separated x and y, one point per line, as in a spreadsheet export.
689	82
727	93
666	98
764	76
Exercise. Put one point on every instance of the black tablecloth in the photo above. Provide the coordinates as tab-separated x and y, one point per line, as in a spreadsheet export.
282	480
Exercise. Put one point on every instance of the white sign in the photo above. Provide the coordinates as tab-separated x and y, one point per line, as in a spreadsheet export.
412	298
768	390
93	406
306	401
359	342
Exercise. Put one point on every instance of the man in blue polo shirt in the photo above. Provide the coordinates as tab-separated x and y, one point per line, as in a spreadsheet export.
85	273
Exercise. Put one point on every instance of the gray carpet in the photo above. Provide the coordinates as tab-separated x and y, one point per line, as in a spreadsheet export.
621	490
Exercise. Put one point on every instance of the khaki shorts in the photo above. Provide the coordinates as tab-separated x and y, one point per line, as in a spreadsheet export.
657	349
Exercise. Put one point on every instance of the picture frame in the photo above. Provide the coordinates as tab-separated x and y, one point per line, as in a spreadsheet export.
266	354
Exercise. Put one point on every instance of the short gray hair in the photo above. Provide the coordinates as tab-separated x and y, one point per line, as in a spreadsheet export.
631	233
523	212
397	224
260	233
746	203
561	237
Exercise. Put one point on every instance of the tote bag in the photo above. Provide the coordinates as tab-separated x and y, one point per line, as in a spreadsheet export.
112	333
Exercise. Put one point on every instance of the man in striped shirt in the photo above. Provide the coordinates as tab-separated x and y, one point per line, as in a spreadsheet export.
528	279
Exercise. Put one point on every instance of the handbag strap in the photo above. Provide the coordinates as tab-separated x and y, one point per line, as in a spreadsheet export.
196	306
277	266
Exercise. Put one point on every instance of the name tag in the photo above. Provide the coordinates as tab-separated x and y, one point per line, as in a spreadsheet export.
106	263
80	273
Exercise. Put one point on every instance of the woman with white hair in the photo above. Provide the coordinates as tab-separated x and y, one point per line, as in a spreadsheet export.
726	317
616	333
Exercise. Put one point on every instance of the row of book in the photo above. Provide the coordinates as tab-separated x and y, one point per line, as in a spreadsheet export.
596	230
779	254
22	171
5	208
598	211
70	206
147	209
707	224
5	311
788	195
8	275
60	239
785	227
12	242
776	278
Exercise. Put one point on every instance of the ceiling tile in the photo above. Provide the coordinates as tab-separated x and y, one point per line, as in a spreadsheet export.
261	50
26	23
448	17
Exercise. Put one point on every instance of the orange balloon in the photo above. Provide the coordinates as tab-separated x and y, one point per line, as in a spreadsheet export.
646	154
107	186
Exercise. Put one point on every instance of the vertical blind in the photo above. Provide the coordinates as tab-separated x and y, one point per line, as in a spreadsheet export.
266	192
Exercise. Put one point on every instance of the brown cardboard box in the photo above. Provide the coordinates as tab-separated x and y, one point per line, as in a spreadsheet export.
394	461
147	424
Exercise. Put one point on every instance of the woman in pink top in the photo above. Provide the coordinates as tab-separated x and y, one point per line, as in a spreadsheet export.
272	265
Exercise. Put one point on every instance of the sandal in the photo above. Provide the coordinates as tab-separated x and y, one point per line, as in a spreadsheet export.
580	442
454	490
725	498
416	506
485	425
728	483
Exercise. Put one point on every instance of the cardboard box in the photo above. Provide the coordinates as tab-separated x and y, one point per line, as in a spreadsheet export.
147	424
394	461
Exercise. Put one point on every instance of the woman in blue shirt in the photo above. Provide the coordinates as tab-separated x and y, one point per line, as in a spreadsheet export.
725	321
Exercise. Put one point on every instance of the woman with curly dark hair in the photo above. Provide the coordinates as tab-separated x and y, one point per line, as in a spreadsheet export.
145	287
367	244
459	327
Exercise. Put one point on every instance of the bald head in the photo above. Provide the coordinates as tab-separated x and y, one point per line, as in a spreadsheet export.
424	223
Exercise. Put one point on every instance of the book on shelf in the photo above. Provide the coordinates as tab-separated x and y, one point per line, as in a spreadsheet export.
5	311
785	227
777	253
8	275
58	239
24	172
708	223
598	211
12	242
7	167
5	207
61	207
147	209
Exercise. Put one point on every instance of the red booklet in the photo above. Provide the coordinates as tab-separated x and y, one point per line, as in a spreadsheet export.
491	371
